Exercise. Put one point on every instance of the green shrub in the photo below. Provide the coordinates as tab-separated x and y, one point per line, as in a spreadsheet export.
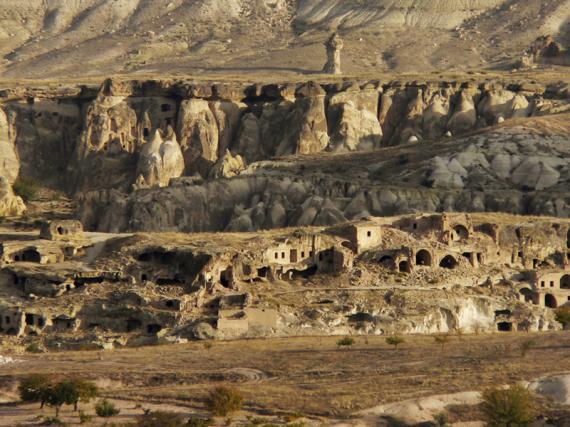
106	409
34	348
223	401
508	407
52	421
26	188
395	340
563	316
345	342
441	420
161	419
84	391
62	393
84	418
199	422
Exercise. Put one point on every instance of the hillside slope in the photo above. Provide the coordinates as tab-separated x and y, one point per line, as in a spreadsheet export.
60	38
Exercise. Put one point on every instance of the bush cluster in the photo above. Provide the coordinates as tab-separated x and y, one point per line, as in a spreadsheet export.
70	391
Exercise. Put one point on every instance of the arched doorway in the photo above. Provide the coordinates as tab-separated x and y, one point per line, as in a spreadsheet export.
404	266
565	282
31	255
527	294
386	261
423	257
448	262
550	301
460	232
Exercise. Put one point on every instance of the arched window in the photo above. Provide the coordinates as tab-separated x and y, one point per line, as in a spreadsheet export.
550	301
448	262
423	257
460	232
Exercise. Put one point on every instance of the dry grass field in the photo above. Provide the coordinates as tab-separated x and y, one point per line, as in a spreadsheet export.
306	376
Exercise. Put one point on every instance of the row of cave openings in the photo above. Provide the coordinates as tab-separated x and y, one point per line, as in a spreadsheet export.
424	258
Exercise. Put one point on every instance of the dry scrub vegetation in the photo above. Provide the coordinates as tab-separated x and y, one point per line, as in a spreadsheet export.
309	376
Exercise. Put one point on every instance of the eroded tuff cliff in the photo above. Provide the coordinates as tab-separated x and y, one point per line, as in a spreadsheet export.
217	145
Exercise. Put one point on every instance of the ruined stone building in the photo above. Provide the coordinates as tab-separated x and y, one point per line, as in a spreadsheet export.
147	287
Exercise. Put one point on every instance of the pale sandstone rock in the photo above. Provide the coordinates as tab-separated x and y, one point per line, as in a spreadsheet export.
535	174
503	104
10	204
356	130
464	116
160	161
228	166
434	118
9	162
334	46
313	136
199	136
447	173
228	115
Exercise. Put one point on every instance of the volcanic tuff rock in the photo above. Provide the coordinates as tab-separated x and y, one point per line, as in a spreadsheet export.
110	139
496	170
370	276
159	160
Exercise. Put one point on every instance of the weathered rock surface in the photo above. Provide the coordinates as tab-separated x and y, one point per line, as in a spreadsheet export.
226	130
9	162
159	160
10	204
499	170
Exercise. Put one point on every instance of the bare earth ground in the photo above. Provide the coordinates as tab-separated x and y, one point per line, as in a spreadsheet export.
307	376
59	38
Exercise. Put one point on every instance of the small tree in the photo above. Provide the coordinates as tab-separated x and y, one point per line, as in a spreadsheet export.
441	340
35	388
508	407
345	342
84	418
562	315
161	419
85	391
34	348
106	409
527	345
395	340
223	401
62	393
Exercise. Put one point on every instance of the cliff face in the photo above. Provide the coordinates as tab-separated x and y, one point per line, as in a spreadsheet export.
99	146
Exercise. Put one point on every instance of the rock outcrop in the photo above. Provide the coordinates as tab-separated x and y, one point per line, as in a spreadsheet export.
499	170
334	46
10	204
9	162
236	131
160	161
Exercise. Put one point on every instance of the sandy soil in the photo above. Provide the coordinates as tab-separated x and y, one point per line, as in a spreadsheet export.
308	376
